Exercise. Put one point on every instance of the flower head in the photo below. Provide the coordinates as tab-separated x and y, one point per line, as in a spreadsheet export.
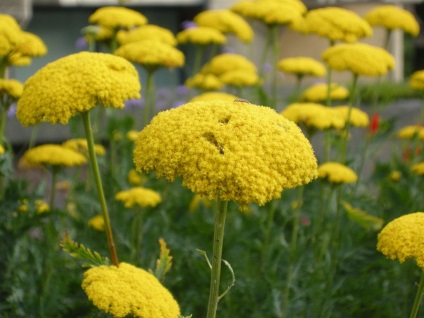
337	24
152	54
336	173
139	196
97	222
135	178
75	84
403	238
117	17
314	116
128	290
214	96
235	150
204	81
201	35
226	21
55	155
147	32
417	80
359	58
411	132
392	17
358	118
318	92
80	145
10	34
31	45
375	123
240	78
302	66
11	87
418	169
227	62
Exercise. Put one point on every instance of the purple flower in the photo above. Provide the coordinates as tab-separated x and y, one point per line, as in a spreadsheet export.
162	93
81	44
187	24
267	67
12	111
134	103
161	105
181	90
178	103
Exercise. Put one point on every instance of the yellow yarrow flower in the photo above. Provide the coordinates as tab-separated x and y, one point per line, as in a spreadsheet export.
139	196
152	54
225	21
235	150
117	17
214	96
362	218
204	81
17	59
11	87
2	150
358	118
128	290
55	155
75	84
31	45
240	78
392	17
41	207
395	175
132	135
147	32
228	62
302	66
80	145
135	178
337	24
318	92
359	58
417	80
411	132
201	36
403	238
97	222
335	172
314	116
418	168
197	201
10	34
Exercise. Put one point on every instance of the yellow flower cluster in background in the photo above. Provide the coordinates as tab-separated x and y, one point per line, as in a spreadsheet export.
302	66
55	155
128	290
117	17
226	22
318	92
201	36
135	178
411	132
335	172
80	145
418	168
97	222
417	80
10	87
139	196
357	117
235	150
74	84
403	238
359	58
214	96
207	82
147	32
392	17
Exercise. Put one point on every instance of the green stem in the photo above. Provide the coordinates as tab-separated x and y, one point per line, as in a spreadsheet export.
3	115
200	50
136	235
53	189
96	174
275	53
268	42
387	39
148	106
268	231
34	133
218	240
418	297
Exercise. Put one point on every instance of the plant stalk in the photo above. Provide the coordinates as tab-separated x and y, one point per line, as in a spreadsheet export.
418	297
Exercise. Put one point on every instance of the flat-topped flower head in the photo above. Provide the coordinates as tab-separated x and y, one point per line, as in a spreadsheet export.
302	66
127	290
403	238
74	84
417	80
393	17
139	196
80	145
359	58
418	169
117	18
232	150
147	32
314	116
411	132
227	22
209	82
358	118
337	24
10	34
152	54
53	155
32	45
336	173
201	35
214	96
240	78
227	62
10	89
318	92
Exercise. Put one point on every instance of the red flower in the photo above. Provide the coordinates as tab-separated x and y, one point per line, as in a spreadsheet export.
375	123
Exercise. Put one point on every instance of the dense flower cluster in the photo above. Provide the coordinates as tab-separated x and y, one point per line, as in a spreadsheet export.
336	24
97	222
314	116
418	168
234	150
403	238
411	132
417	80
214	96
392	17
357	117
318	92
335	172
226	21
139	196
10	88
147	32
117	17
128	290
77	83
55	155
152	54
201	35
80	145
302	66
207	82
359	58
